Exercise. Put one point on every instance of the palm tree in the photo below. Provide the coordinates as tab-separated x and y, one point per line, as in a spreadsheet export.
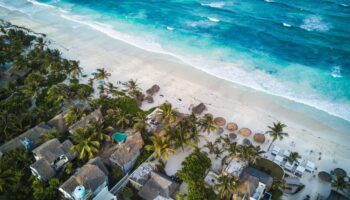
73	114
276	132
226	186
293	157
102	74
232	150
249	153
97	131
41	43
210	146
140	122
160	145
132	85
177	136
85	145
59	94
339	183
51	135
168	114
206	124
218	152
6	178
123	120
74	70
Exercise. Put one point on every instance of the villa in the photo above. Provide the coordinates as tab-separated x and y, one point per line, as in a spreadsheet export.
235	167
92	117
51	157
28	140
87	182
126	154
158	187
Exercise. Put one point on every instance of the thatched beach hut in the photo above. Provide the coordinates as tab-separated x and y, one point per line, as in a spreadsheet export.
247	142
154	89
149	99
245	132
219	130
231	126
259	138
199	108
340	173
232	136
219	121
324	176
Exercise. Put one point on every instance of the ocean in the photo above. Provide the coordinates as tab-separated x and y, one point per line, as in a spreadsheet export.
298	50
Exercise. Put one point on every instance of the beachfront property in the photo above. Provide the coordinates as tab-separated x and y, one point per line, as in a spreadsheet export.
50	158
235	167
211	179
95	116
28	140
87	182
126	154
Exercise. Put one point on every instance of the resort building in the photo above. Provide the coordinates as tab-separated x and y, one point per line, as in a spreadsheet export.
28	140
211	179
153	120
59	123
126	154
235	167
92	117
105	194
87	182
51	157
158	187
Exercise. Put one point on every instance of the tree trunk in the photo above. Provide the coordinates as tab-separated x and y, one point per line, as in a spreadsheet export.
270	145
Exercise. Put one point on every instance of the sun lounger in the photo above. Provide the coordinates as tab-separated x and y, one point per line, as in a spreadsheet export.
275	150
299	171
310	166
278	160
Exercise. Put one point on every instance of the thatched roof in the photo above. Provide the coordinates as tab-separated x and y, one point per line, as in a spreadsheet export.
259	137
50	150
59	123
127	150
334	195
219	121
92	117
325	176
339	172
231	126
17	71
157	185
246	142
199	108
219	130
154	89
43	168
245	132
149	99
233	136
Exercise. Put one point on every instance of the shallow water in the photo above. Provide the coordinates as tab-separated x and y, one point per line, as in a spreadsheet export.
298	50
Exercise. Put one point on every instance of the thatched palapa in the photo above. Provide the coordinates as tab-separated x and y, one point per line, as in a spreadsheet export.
340	173
219	130
149	99
245	132
246	142
233	136
154	89
324	176
199	108
219	121
231	126
259	137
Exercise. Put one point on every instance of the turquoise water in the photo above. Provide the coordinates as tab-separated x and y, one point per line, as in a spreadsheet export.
299	50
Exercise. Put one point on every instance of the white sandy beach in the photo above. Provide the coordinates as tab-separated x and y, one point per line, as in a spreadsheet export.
177	80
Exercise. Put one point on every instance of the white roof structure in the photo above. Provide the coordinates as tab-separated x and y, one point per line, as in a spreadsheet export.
286	153
310	166
299	161
236	166
288	166
211	179
275	150
105	195
299	171
278	160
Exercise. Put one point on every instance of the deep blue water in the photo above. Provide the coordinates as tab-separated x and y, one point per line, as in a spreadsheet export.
297	49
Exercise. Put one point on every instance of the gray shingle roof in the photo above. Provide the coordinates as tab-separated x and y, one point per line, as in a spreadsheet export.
92	117
50	150
44	169
157	185
128	149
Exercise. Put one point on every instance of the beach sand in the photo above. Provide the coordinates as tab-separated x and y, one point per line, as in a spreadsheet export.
183	86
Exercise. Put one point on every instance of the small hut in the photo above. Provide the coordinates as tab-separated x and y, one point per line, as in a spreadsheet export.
324	176
340	173
247	142
259	138
154	89
149	99
231	126
199	108
245	132
219	121
219	130
232	136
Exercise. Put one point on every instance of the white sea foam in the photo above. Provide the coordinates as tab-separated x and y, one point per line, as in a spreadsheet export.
268	1
201	23
213	19
286	25
218	4
314	23
344	5
169	28
336	71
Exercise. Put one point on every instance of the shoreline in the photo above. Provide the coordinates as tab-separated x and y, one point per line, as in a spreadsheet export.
246	107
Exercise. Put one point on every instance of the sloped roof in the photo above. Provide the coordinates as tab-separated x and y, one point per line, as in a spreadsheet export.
59	123
32	134
92	117
50	150
91	176
157	185
44	169
261	176
128	149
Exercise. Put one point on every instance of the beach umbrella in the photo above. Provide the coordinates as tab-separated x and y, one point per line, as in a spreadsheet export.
324	176
153	89
219	121
246	142
231	126
219	130
199	108
245	132
340	173
233	136
149	99
259	137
